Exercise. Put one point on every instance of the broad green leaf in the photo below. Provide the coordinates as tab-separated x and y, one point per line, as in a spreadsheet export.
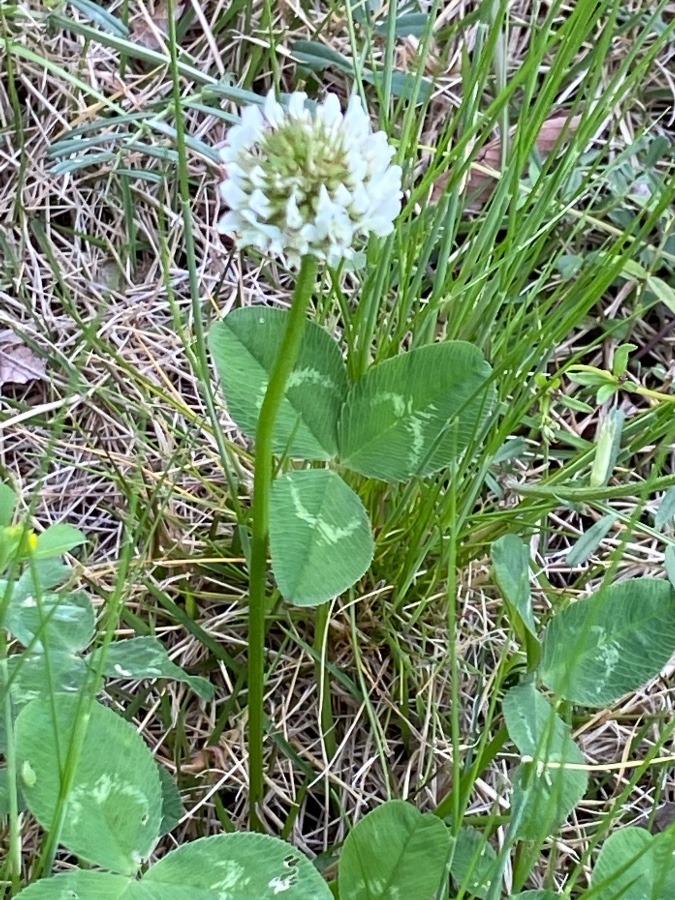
620	361
599	649
14	545
146	657
80	884
245	346
34	674
537	895
39	576
114	807
607	442
60	621
403	84
244	866
7	505
394	851
101	17
575	404
172	806
223	867
635	865
320	539
4	797
660	288
317	57
534	726
4	794
590	376
605	393
663	290
569	264
589	542
414	414
669	563
58	539
474	863
665	514
511	562
415	23
544	794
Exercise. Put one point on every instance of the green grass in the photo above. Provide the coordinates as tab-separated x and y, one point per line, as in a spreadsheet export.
113	270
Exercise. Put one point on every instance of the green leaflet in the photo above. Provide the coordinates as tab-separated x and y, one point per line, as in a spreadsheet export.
320	539
245	346
414	414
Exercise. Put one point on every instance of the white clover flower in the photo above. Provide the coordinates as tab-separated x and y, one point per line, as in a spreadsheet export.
302	181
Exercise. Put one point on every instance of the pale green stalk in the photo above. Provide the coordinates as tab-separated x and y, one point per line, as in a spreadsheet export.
14	854
321	629
262	482
13	861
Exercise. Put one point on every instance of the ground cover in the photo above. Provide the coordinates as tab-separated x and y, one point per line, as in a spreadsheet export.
537	224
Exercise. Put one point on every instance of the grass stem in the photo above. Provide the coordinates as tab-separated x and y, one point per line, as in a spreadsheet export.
321	629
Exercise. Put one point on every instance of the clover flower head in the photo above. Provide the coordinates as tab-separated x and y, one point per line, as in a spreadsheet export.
304	180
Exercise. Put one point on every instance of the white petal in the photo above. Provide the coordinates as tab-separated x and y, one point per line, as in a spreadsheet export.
356	260
260	205
358	165
329	111
342	230
229	223
360	201
252	117
356	124
308	233
296	105
274	112
251	237
294	218
258	177
248	132
343	196
235	172
273	232
334	257
292	261
232	194
324	214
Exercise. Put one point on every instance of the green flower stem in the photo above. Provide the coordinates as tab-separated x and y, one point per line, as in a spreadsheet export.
262	481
